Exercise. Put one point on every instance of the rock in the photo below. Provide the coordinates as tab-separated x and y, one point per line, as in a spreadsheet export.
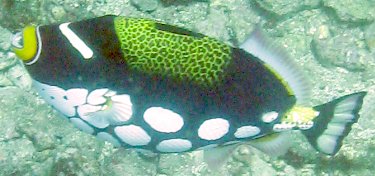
145	5
214	25
128	162
5	39
115	7
171	164
352	10
239	29
182	15
294	35
18	13
35	141
284	7
19	76
58	12
250	161
370	37
341	50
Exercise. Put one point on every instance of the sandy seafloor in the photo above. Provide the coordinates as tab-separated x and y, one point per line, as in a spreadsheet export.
333	41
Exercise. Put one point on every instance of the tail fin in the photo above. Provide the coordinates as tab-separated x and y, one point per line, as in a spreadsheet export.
334	122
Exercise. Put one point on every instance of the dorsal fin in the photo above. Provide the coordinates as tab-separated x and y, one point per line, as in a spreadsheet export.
258	45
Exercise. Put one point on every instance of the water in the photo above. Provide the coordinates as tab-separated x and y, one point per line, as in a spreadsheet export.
331	41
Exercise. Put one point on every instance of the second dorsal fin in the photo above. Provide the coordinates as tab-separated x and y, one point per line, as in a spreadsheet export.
258	45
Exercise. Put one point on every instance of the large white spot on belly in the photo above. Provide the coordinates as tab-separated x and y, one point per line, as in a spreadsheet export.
106	108
246	131
213	129
133	135
269	116
76	96
80	124
163	120
63	101
96	97
92	115
174	145
121	110
109	138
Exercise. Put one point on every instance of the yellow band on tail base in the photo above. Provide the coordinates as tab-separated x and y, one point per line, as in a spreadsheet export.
300	115
30	44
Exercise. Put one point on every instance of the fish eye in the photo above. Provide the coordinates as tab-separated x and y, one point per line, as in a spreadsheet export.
17	40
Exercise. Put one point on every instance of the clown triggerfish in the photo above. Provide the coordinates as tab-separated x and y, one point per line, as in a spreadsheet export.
143	84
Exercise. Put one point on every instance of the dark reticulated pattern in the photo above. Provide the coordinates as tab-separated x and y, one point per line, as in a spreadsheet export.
161	50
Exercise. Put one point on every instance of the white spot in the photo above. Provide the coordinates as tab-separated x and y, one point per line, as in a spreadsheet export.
269	116
210	146
63	101
283	127
56	97
246	131
92	115
133	135
96	97
174	145
75	41
213	129
76	96
102	115
121	109
109	138
80	124
163	120
327	143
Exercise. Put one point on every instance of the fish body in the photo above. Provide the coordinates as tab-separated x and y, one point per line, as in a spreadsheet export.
143	84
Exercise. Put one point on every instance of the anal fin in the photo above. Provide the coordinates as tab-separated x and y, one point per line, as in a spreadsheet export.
218	156
274	145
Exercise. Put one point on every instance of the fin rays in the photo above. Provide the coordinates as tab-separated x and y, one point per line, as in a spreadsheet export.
259	46
334	123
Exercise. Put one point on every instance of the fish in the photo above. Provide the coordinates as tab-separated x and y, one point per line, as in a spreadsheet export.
146	85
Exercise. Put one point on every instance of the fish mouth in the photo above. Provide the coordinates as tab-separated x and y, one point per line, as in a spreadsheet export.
17	40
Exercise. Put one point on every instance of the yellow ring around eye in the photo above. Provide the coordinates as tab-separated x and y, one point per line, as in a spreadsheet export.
30	44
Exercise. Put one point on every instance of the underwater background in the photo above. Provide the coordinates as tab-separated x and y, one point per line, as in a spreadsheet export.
333	41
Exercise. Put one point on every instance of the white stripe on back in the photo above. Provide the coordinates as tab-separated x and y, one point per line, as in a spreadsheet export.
76	42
